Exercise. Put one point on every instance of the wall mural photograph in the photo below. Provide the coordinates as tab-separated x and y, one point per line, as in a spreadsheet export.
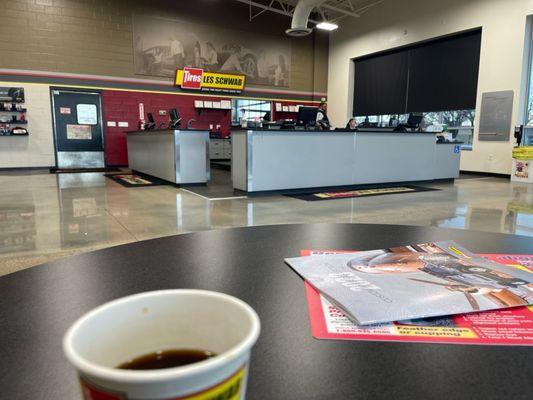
163	45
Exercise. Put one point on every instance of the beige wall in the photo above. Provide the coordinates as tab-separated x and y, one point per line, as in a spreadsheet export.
95	36
399	22
37	149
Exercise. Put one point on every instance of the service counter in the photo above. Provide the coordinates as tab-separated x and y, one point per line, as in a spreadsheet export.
179	156
270	160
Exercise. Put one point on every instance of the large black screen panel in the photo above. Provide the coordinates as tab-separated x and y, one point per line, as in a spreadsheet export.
443	74
380	84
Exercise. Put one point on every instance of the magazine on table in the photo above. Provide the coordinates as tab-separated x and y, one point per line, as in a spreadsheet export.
416	281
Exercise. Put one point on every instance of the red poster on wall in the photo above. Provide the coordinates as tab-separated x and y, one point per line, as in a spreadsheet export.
513	326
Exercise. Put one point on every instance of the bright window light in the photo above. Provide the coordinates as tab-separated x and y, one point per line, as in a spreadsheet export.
327	26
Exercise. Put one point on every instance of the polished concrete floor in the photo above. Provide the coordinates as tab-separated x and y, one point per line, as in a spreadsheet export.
45	216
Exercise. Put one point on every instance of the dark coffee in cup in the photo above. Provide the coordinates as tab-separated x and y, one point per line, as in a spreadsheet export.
167	359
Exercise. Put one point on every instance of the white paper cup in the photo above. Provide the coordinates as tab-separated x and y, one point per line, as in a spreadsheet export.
164	320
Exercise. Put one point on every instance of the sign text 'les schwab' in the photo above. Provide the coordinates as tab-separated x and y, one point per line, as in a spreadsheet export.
198	79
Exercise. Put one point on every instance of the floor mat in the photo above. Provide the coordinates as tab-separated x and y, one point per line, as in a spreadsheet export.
132	180
366	192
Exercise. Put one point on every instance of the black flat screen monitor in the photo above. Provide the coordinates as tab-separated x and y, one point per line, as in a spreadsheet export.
151	122
175	120
174	114
414	120
307	115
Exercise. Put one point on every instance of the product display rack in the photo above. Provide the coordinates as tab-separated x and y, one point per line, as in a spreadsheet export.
6	127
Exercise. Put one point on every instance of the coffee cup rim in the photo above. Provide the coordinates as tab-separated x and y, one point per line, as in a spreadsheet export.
92	369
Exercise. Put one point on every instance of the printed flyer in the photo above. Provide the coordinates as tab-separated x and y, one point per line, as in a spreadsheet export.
513	326
416	281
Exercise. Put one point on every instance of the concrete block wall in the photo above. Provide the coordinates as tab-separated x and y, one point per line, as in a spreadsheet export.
96	36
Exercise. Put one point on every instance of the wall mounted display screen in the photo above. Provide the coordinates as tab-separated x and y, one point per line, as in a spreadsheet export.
437	75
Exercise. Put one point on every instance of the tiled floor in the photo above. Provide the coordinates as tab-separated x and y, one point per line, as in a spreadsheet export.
45	216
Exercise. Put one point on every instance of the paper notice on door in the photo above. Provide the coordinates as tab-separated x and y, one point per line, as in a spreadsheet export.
87	114
79	132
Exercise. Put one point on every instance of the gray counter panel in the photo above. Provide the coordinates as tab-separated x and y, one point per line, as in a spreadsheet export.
179	156
393	157
153	154
238	164
282	160
448	159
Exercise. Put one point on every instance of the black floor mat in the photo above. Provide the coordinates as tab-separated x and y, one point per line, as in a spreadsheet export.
364	192
134	180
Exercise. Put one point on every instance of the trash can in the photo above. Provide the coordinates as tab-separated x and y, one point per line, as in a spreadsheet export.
522	164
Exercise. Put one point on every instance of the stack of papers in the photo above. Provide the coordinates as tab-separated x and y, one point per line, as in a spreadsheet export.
411	282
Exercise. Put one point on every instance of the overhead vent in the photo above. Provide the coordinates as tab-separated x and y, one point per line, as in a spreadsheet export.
300	17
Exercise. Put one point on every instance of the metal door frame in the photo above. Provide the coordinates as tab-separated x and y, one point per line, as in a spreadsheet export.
82	91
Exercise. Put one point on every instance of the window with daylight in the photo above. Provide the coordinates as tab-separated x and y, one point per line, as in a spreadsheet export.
460	123
251	109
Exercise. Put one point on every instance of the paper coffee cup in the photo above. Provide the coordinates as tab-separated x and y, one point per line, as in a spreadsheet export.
148	322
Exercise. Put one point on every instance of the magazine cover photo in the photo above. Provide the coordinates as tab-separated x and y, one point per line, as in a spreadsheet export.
416	281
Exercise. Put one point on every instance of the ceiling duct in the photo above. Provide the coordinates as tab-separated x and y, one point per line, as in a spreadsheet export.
300	16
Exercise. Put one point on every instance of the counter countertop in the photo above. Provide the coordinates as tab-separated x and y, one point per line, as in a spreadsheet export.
330	131
169	131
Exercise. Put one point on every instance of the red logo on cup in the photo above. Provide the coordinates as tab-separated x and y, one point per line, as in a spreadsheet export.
192	78
90	392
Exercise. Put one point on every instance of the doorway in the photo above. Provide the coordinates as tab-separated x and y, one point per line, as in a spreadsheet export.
78	129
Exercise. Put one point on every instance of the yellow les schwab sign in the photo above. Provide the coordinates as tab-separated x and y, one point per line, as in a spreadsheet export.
198	79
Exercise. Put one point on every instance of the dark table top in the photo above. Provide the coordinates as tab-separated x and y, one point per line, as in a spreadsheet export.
38	304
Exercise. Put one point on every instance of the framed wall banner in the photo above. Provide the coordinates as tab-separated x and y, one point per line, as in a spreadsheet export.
496	115
162	45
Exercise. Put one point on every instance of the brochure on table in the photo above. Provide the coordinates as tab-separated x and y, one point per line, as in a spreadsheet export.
417	281
513	326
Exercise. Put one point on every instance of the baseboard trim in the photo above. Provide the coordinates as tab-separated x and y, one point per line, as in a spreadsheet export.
24	168
488	174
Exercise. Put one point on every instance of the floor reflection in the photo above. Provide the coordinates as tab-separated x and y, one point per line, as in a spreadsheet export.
46	216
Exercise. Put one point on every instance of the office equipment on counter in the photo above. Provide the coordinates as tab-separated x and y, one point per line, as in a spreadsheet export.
413	123
190	122
307	116
175	119
288	124
151	122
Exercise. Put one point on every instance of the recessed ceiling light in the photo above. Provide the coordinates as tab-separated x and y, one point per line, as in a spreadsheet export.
327	26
